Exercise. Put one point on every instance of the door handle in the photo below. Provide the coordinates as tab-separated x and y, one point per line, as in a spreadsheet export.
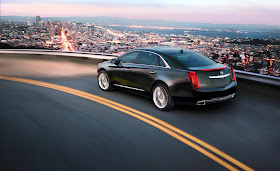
152	72
128	69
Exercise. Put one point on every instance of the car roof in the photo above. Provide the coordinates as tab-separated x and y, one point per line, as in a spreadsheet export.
165	50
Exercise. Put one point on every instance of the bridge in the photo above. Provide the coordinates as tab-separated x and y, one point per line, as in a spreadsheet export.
55	117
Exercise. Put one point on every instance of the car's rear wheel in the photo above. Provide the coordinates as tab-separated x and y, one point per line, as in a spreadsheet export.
104	81
162	97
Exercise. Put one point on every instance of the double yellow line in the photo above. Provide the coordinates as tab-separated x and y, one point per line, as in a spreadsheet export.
197	144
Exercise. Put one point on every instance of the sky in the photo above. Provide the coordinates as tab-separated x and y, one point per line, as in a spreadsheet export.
199	11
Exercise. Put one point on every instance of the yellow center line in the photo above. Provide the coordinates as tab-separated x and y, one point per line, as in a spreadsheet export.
163	126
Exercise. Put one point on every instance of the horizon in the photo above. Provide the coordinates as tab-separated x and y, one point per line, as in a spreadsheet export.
133	19
199	11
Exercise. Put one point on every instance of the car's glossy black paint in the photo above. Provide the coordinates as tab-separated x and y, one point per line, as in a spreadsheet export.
177	79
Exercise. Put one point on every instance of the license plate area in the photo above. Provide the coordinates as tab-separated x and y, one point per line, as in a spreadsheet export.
219	81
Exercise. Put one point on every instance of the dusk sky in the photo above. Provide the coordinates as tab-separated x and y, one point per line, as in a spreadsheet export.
200	11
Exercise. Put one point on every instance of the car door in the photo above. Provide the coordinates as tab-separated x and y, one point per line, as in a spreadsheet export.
145	71
121	74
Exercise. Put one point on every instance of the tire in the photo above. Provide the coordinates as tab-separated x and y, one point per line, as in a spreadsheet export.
162	97
104	81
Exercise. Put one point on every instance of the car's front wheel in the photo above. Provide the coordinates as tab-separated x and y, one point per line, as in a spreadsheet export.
104	81
162	97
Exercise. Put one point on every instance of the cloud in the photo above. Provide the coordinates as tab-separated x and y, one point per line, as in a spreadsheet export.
154	3
203	14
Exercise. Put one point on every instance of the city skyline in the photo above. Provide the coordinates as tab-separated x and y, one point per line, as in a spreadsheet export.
201	11
248	54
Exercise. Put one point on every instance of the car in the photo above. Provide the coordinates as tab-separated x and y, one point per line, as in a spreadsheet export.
169	75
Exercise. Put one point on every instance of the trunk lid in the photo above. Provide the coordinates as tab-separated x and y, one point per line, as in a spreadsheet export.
213	75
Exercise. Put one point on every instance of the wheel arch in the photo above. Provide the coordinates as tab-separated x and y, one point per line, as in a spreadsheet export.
101	69
155	83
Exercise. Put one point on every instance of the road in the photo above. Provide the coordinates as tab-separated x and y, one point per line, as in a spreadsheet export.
48	129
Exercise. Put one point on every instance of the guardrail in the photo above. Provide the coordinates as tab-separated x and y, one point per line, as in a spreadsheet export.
103	56
272	80
239	74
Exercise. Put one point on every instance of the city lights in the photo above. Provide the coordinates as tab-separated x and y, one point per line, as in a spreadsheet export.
67	46
248	54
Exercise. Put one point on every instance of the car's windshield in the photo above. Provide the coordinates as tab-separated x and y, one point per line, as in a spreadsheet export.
192	59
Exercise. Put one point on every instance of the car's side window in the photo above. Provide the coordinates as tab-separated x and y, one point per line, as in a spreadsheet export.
128	58
148	58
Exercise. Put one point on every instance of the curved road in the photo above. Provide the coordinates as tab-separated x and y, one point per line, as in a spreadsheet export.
49	129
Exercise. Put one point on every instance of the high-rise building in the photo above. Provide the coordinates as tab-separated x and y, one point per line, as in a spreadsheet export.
58	30
91	29
37	23
40	25
52	31
79	25
28	22
38	19
74	26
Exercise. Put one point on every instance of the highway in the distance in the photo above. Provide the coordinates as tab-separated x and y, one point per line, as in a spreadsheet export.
45	127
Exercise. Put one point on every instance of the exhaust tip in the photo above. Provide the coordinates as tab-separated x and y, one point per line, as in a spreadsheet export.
201	102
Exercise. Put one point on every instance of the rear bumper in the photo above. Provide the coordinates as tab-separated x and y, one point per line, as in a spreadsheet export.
205	96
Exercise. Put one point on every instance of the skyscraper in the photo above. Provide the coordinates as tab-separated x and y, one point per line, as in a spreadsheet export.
28	22
38	19
40	25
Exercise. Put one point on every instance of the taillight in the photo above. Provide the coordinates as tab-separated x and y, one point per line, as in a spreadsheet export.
194	80
233	74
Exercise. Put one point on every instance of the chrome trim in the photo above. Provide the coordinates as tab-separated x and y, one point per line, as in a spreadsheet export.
137	89
166	64
128	87
220	76
135	65
202	102
122	86
149	65
217	99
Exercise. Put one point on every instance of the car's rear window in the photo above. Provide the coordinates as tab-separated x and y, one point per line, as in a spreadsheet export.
192	59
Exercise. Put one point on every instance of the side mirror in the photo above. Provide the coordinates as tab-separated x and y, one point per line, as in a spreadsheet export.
116	62
113	61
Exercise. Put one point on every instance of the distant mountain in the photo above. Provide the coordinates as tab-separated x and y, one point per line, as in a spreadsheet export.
124	21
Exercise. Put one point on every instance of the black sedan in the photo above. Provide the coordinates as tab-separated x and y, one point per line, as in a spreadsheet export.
170	76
